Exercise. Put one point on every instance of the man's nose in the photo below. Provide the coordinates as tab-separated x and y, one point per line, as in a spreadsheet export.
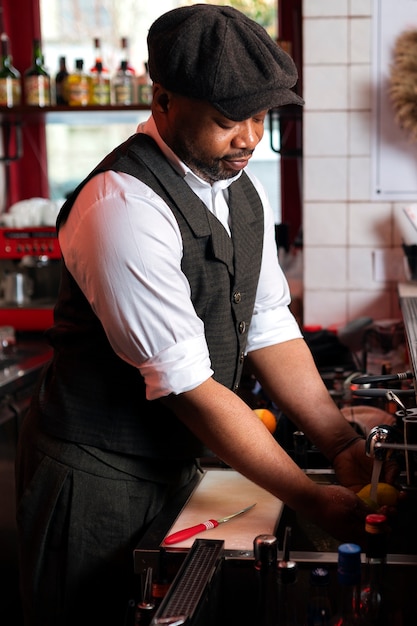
248	135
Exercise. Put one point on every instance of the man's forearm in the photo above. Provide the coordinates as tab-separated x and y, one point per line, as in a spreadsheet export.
296	387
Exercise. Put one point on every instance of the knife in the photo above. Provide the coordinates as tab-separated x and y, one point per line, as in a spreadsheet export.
184	534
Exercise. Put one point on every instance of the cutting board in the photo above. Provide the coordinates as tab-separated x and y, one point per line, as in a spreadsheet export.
220	493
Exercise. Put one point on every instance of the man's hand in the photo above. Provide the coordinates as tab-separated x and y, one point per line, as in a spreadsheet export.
353	467
341	513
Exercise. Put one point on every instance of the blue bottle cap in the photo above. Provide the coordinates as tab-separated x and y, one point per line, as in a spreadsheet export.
349	564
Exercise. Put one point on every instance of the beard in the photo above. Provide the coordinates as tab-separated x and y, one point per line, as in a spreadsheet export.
210	169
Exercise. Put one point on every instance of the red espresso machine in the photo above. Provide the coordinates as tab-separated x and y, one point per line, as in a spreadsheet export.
30	261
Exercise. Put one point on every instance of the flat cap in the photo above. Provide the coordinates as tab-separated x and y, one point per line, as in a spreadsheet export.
218	54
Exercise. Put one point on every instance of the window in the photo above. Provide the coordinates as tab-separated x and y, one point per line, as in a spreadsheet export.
77	142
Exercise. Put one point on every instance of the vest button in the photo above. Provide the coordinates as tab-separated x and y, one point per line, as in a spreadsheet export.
235	387
241	357
242	327
237	297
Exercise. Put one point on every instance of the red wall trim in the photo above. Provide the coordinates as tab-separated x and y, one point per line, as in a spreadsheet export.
290	29
27	177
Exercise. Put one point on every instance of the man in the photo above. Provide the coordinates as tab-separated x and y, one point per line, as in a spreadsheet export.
170	278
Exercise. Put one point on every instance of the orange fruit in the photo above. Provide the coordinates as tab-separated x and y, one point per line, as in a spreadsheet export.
268	418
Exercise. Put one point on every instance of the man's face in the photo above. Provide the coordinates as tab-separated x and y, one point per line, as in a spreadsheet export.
213	147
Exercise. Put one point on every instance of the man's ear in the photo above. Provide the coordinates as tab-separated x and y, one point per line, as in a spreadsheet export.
161	98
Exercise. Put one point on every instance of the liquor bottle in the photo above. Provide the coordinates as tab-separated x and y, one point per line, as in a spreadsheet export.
78	86
60	80
125	54
10	87
372	591
123	85
319	608
98	58
100	91
287	586
36	79
349	579
265	549
144	84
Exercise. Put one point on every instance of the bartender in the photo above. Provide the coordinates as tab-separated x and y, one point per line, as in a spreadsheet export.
170	281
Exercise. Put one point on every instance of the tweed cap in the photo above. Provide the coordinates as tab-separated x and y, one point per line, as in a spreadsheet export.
217	54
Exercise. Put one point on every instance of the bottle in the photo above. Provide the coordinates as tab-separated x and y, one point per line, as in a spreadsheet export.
161	582
10	88
125	55
100	92
372	591
319	608
98	58
265	550
123	85
287	586
60	80
144	84
349	580
78	86
36	79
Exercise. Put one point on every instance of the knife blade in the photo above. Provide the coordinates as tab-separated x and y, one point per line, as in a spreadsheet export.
186	533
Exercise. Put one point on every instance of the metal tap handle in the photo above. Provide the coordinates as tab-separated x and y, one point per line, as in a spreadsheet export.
380	434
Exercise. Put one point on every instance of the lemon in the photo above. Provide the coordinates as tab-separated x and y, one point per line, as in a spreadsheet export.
385	494
268	418
371	504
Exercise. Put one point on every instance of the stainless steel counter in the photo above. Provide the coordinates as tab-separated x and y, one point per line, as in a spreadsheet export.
233	600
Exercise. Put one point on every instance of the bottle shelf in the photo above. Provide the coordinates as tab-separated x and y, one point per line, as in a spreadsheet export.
24	111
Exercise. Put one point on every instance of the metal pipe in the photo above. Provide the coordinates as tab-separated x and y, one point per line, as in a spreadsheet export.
412	447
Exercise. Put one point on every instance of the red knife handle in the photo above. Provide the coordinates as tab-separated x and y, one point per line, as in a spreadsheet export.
184	534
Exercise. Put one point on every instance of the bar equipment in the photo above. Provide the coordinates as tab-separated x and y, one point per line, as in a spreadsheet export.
30	261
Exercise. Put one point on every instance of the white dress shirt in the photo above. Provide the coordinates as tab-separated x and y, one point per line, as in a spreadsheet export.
123	246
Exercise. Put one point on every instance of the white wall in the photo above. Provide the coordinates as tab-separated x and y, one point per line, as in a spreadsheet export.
352	244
